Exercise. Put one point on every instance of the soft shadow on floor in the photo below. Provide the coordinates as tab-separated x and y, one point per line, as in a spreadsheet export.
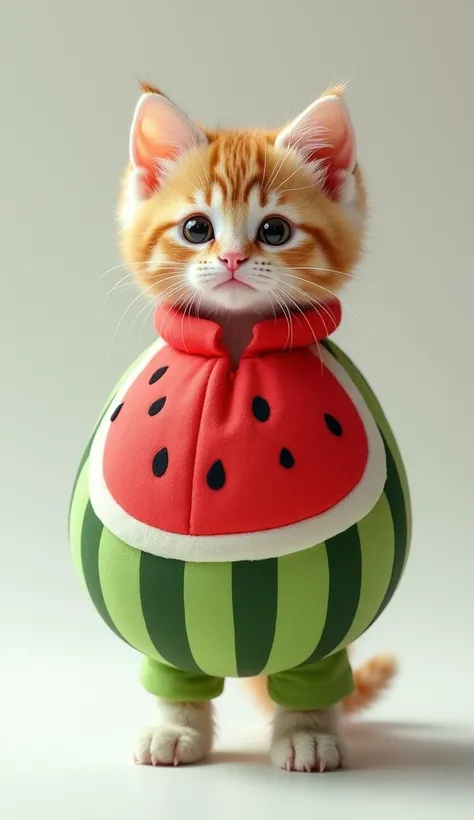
398	746
391	747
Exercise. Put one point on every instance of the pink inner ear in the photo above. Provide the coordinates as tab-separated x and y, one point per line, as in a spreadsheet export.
160	132
145	157
323	134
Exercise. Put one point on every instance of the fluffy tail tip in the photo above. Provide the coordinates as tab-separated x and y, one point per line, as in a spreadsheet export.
371	679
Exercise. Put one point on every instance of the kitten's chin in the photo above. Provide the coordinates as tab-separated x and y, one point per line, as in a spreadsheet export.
236	297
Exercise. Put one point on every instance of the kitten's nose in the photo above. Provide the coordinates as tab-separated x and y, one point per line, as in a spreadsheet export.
233	260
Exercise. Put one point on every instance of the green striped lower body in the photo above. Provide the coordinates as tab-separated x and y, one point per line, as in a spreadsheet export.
249	617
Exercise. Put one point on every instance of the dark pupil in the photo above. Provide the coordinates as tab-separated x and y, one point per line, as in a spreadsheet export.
197	230
274	232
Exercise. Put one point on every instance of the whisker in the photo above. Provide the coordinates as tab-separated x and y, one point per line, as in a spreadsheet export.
151	307
125	313
278	166
161	279
301	188
186	305
193	137
198	309
292	147
122	287
195	186
275	190
158	264
117	286
272	306
109	270
264	162
131	275
331	293
330	270
159	297
142	267
170	308
317	303
322	306
306	295
314	302
287	315
287	295
297	306
146	307
193	305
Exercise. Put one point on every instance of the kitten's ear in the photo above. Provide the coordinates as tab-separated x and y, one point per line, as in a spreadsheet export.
160	134
323	136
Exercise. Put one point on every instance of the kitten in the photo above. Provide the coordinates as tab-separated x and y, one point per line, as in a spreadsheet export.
240	225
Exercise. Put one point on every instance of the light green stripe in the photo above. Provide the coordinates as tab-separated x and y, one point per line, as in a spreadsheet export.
379	416
209	617
303	593
377	542
76	518
119	572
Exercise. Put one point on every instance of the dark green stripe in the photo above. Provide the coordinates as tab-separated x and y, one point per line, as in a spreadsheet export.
76	479
345	577
162	596
85	457
396	500
90	543
255	598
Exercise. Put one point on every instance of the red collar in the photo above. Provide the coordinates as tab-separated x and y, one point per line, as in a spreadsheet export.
204	337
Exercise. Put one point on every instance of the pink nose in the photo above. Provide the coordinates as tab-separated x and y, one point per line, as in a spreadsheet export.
233	260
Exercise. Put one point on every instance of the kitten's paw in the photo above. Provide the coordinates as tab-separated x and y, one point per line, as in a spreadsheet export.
184	737
308	752
307	741
170	746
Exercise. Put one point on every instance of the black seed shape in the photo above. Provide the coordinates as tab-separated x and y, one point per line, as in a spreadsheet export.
158	374
260	409
333	425
287	459
116	412
216	476
157	405
160	462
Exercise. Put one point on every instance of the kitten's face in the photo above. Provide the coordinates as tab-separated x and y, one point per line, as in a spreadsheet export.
239	221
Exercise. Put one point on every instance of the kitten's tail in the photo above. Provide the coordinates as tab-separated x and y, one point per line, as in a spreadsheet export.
371	679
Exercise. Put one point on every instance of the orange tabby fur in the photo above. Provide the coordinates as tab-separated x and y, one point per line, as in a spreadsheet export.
238	162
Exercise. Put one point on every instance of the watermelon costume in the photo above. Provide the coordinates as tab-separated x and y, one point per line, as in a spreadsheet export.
236	522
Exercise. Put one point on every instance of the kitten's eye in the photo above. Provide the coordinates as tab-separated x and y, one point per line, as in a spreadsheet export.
198	230
274	231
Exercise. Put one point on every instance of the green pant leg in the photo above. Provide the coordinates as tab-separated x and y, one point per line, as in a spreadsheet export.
314	686
170	683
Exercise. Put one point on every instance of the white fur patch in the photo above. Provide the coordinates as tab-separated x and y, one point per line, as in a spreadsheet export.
307	741
184	735
132	199
237	547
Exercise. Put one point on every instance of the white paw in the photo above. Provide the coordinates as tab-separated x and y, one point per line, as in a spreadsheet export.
184	737
170	746
308	752
307	741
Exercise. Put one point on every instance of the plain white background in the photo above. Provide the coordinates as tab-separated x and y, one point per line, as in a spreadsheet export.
70	703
